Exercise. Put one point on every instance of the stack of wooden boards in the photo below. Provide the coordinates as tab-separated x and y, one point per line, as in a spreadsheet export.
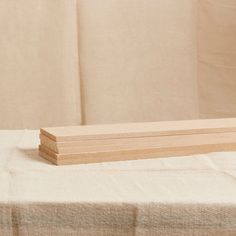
116	142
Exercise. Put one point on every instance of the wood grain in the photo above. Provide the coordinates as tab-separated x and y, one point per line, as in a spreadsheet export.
104	143
122	155
138	143
148	129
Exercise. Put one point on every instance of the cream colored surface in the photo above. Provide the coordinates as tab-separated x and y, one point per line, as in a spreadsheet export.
175	196
136	60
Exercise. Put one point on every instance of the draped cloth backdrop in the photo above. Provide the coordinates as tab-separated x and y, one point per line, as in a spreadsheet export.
68	62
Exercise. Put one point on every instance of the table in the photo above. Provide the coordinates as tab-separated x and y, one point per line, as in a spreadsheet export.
193	195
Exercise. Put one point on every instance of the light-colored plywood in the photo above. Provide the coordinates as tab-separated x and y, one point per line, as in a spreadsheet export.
77	133
101	143
139	143
122	155
49	158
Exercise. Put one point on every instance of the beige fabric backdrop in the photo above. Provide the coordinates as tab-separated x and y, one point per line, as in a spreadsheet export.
138	60
217	58
39	82
66	62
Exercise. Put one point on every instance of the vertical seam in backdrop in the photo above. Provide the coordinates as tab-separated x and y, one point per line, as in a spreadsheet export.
81	116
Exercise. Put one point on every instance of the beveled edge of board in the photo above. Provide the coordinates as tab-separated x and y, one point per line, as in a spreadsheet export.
48	135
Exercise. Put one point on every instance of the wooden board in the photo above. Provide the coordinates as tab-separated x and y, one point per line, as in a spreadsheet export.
138	143
88	132
121	155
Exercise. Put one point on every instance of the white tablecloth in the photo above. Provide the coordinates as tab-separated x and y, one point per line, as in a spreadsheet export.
171	196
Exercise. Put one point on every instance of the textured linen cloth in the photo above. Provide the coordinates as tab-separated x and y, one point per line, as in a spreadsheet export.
185	196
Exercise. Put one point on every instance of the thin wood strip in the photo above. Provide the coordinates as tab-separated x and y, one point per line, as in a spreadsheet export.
48	157
97	157
144	142
76	133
